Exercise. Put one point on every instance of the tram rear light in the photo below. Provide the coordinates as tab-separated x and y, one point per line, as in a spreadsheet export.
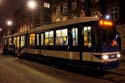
105	57
118	55
105	23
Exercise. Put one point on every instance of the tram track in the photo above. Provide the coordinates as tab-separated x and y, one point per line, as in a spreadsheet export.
111	76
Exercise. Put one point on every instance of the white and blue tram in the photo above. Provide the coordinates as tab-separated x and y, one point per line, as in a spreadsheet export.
86	41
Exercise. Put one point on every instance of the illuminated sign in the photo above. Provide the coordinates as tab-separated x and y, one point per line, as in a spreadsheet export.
105	23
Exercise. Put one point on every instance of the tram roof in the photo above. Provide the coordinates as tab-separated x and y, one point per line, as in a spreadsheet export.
65	23
58	24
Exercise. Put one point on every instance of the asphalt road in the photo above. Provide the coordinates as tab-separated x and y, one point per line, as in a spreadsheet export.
23	71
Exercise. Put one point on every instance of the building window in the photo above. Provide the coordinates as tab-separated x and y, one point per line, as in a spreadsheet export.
58	13
62	37
65	8
114	13
32	39
49	38
94	13
87	36
74	5
22	41
47	5
75	36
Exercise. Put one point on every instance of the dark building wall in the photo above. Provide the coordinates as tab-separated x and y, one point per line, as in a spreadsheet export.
122	11
27	19
84	8
73	8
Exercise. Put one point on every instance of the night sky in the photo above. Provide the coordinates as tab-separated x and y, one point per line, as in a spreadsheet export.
7	7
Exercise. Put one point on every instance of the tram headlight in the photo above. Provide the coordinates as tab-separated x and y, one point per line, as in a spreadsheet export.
118	55
105	57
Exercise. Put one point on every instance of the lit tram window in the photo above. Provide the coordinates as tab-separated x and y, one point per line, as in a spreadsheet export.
22	41
32	39
62	37
42	38
15	41
49	38
75	36
10	41
87	36
37	39
18	42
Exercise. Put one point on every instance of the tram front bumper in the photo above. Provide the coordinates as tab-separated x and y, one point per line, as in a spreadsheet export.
109	65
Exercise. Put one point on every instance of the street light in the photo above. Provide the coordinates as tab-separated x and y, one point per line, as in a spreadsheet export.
9	22
1	1
107	17
32	4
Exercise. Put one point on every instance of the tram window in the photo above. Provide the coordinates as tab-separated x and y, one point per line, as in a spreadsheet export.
75	36
42	37
15	41
22	41
62	37
49	38
32	39
10	41
6	41
37	39
18	42
87	36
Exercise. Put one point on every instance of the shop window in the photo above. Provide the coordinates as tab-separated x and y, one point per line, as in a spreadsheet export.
49	38
75	36
87	36
62	37
32	39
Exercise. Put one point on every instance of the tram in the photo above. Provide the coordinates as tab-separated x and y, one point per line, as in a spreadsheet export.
85	41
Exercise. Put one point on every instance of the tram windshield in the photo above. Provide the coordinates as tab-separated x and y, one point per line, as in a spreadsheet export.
107	36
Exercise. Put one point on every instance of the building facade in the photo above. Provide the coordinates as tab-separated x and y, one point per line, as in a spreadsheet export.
27	19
